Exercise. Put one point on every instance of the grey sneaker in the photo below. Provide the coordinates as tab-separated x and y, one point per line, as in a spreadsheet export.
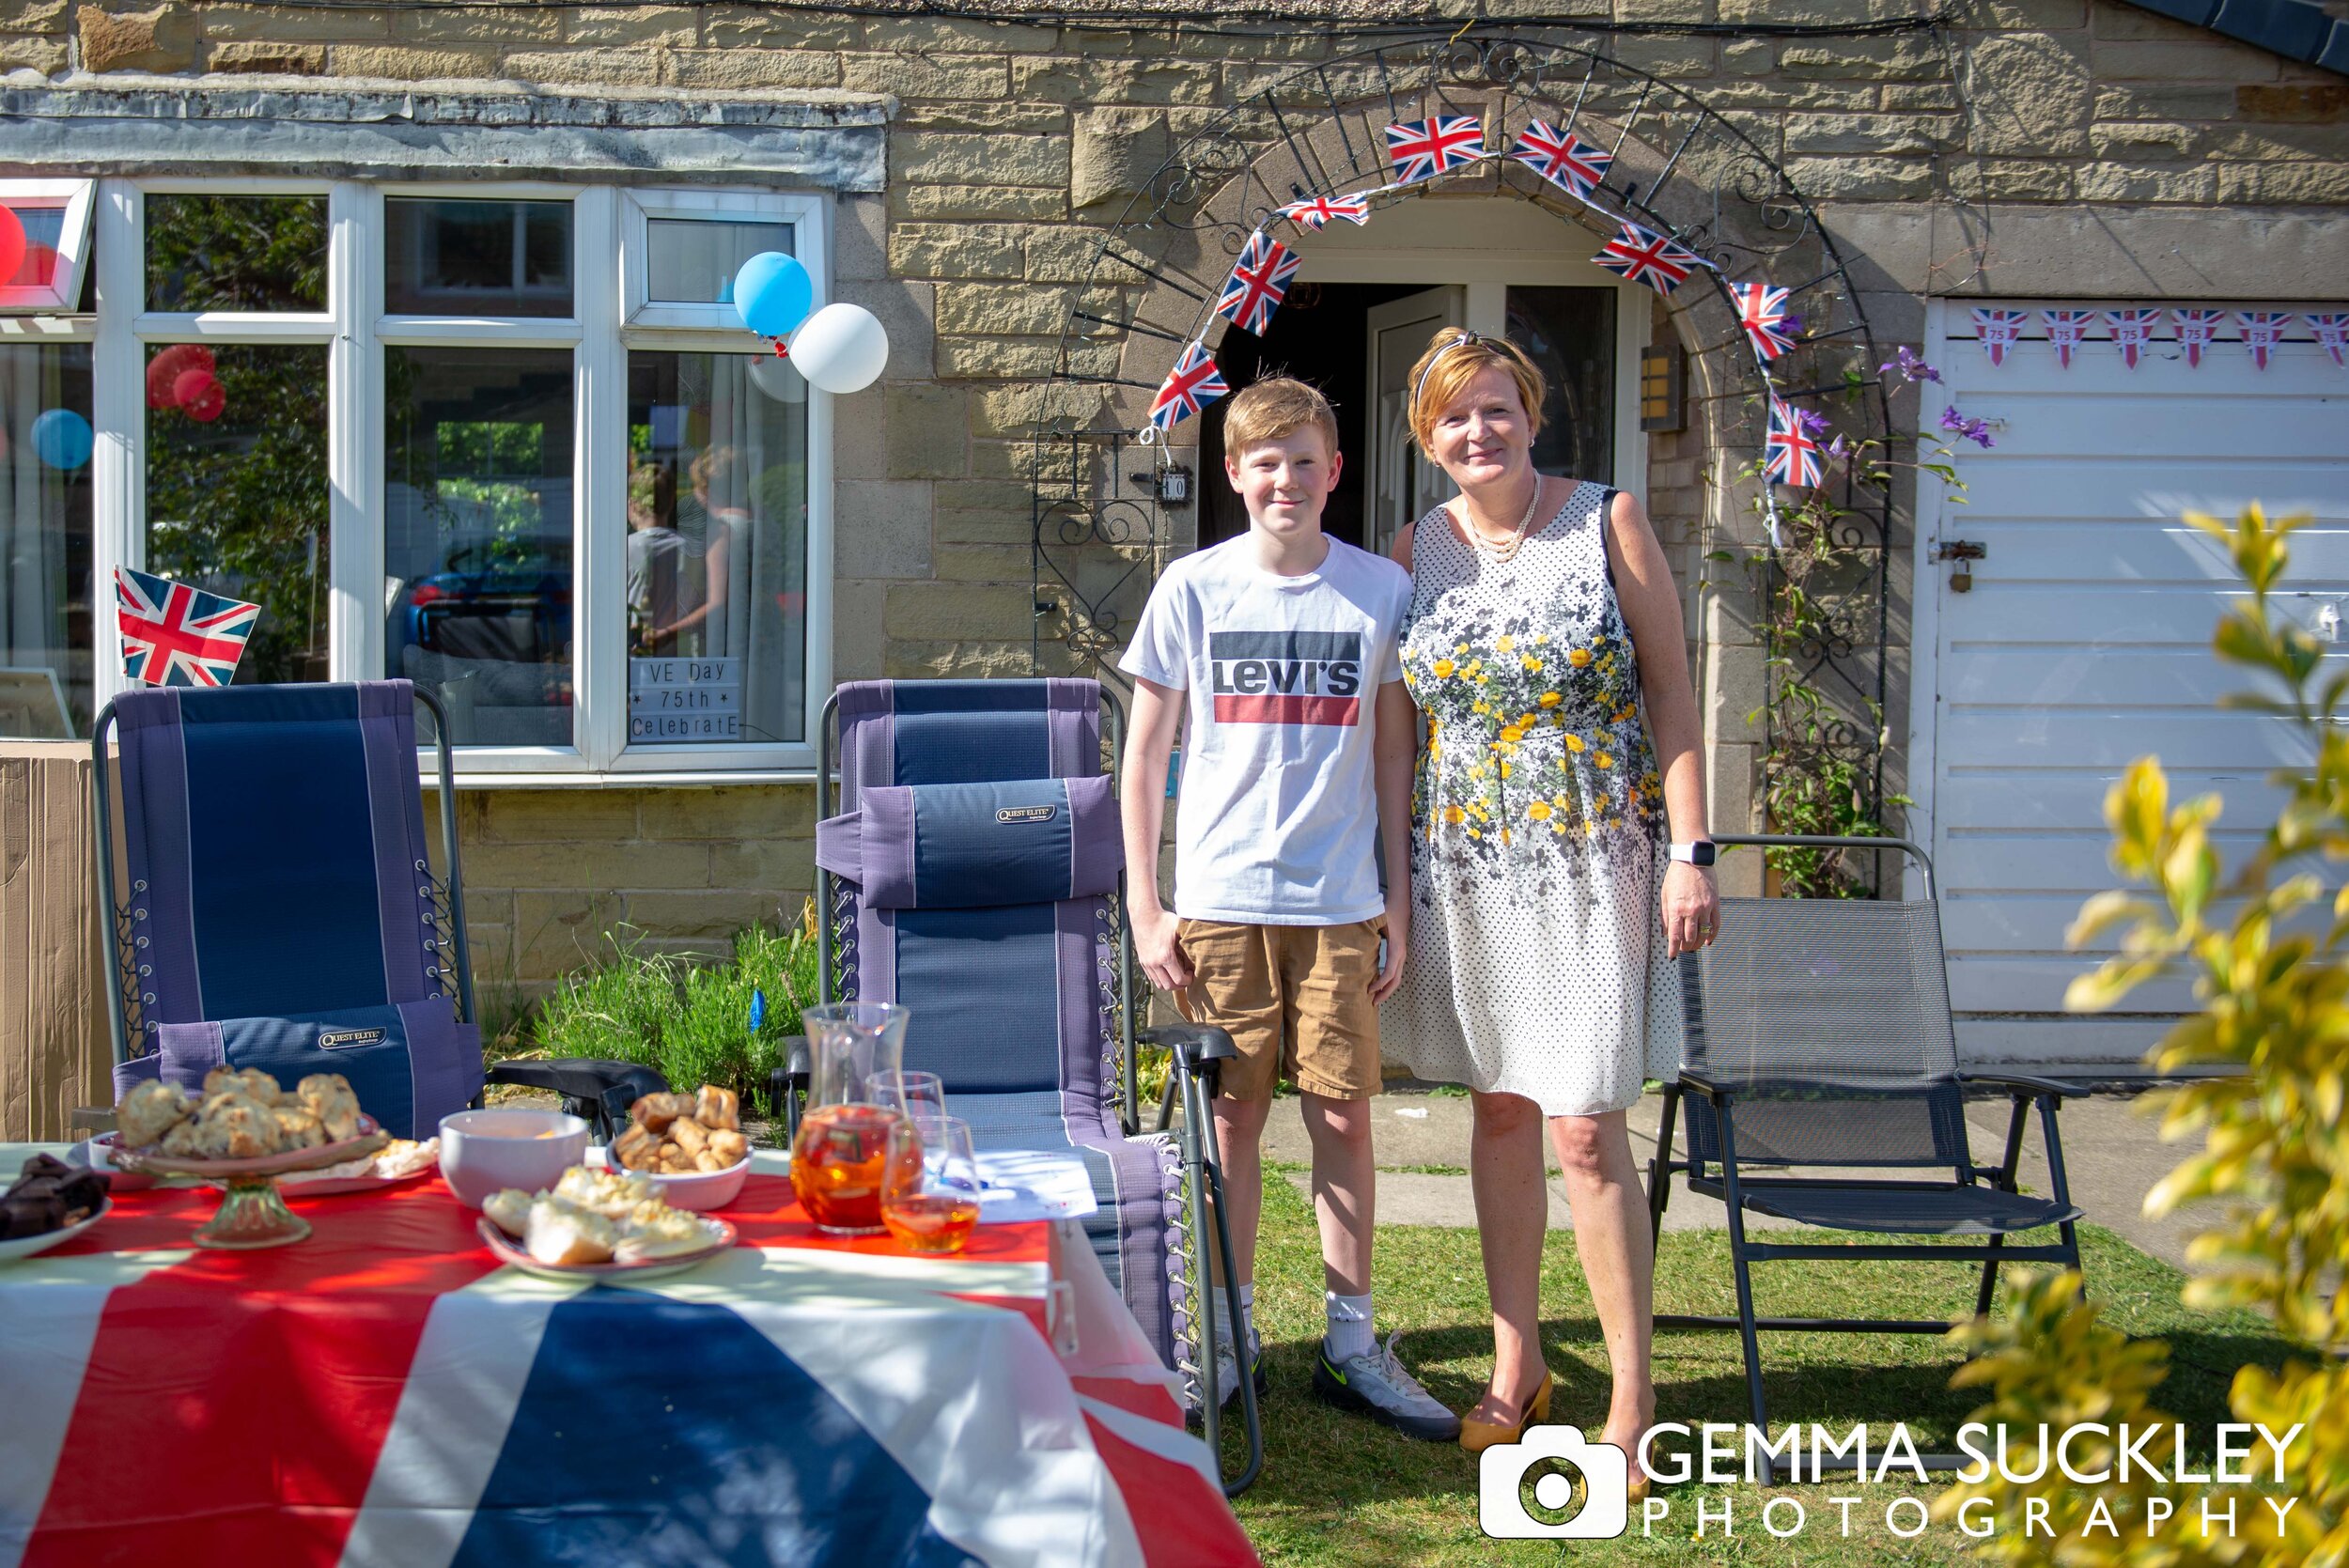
1227	1367
1377	1384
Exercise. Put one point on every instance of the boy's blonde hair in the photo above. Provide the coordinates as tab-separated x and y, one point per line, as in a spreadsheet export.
1455	357
1275	407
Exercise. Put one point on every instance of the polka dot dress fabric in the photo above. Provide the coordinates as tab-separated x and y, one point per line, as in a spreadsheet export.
1536	964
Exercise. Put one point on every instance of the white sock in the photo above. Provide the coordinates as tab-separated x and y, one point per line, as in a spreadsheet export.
1349	1326
1247	1309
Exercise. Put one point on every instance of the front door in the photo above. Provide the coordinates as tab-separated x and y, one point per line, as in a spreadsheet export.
1400	486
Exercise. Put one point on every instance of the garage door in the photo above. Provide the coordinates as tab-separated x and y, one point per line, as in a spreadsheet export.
2082	641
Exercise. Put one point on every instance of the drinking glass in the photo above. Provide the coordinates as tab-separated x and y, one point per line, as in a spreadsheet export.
930	1186
918	1097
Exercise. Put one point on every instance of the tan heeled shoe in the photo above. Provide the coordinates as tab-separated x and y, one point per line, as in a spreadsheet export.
1476	1437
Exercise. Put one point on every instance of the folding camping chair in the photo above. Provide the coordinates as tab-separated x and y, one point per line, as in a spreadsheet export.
1818	1035
282	912
976	873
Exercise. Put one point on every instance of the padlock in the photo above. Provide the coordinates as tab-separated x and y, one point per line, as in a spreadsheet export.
1962	580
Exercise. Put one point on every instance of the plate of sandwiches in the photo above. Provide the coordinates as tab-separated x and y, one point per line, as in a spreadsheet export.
599	1226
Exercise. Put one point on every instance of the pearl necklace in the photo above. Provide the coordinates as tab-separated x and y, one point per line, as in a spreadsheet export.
1502	551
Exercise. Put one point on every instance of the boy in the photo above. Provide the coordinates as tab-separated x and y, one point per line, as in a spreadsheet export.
1300	745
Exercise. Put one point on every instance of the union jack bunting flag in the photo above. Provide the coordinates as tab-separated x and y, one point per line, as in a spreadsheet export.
1423	148
2262	330
2196	329
175	635
2067	329
1317	210
1563	159
1999	330
1791	455
1258	280
2132	330
2332	330
1761	311
1191	385
1648	258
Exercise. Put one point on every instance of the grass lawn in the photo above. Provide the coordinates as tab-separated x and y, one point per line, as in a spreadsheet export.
1339	1491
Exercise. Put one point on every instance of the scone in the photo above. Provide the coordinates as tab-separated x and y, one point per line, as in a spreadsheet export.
150	1110
509	1211
297	1126
562	1233
185	1141
237	1127
330	1099
244	1081
715	1108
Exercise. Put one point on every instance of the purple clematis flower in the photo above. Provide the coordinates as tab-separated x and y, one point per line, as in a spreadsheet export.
1791	326
1906	364
1814	424
1964	429
1841	448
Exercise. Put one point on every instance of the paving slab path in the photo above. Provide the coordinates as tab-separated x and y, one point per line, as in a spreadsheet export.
2112	1153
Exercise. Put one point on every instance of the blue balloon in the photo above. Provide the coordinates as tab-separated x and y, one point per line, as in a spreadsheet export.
62	439
773	293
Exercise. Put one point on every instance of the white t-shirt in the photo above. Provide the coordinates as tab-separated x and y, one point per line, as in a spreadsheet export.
1276	824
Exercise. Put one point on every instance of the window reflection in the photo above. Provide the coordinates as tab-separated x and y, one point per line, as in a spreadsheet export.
1570	333
478	537
235	252
237	490
44	541
693	260
477	257
716	548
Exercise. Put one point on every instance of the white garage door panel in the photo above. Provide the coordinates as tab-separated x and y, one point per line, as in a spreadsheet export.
2037	737
2085	642
2023	799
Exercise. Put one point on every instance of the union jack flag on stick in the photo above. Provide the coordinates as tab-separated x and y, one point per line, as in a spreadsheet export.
1791	454
175	635
1258	280
2196	331
1423	148
1999	330
2262	330
2332	330
1191	385
1761	311
1314	212
1648	258
1563	159
2132	330
2067	329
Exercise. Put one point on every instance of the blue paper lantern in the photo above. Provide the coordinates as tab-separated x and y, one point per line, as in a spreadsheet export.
62	439
773	293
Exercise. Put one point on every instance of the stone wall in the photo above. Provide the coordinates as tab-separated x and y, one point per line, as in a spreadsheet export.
2034	147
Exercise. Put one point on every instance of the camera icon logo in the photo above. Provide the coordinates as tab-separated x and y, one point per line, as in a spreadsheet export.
1605	1479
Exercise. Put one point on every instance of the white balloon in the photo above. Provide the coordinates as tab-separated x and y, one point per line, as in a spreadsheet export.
840	348
778	378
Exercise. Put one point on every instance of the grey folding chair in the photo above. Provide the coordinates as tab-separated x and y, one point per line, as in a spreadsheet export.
1818	1038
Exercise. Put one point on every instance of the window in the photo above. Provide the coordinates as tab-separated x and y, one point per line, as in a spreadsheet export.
53	218
507	440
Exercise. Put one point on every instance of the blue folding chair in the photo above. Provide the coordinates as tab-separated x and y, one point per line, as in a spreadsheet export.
978	875
282	911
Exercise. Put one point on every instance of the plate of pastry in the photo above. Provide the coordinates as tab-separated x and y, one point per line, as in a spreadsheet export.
599	1226
403	1160
49	1203
242	1123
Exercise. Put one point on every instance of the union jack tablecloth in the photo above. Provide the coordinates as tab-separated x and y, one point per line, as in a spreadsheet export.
385	1393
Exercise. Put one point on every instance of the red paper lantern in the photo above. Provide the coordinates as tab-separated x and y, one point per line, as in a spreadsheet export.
11	242
200	396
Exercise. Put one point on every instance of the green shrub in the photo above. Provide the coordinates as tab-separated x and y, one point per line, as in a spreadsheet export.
687	1020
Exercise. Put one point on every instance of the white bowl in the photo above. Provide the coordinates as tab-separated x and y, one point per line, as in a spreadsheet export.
484	1152
701	1191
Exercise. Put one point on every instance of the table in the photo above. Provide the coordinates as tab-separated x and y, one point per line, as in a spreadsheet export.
385	1393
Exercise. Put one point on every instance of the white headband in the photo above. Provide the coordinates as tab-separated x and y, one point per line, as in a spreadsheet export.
1435	359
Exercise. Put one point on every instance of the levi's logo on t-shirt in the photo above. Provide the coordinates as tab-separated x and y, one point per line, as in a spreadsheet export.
1286	677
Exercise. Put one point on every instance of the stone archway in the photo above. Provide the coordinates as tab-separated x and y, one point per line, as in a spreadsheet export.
1146	288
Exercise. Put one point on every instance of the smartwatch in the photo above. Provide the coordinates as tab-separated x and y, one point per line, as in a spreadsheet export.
1699	852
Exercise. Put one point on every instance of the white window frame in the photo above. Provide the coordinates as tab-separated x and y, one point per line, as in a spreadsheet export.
608	239
76	198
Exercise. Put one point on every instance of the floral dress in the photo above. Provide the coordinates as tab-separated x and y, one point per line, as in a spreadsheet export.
1536	964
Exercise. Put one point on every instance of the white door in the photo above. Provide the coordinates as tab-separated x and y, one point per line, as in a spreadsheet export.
1401	485
2082	641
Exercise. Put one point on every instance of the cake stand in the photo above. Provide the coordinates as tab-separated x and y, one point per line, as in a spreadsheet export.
253	1213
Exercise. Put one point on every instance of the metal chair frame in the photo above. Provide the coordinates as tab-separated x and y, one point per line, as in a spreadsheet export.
1196	1054
1733	1185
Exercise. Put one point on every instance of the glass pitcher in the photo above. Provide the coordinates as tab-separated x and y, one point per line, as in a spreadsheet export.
843	1145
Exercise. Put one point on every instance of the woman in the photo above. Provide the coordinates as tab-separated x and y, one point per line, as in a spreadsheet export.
1539	973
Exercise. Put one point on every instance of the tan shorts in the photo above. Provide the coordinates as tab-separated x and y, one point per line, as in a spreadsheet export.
1295	999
